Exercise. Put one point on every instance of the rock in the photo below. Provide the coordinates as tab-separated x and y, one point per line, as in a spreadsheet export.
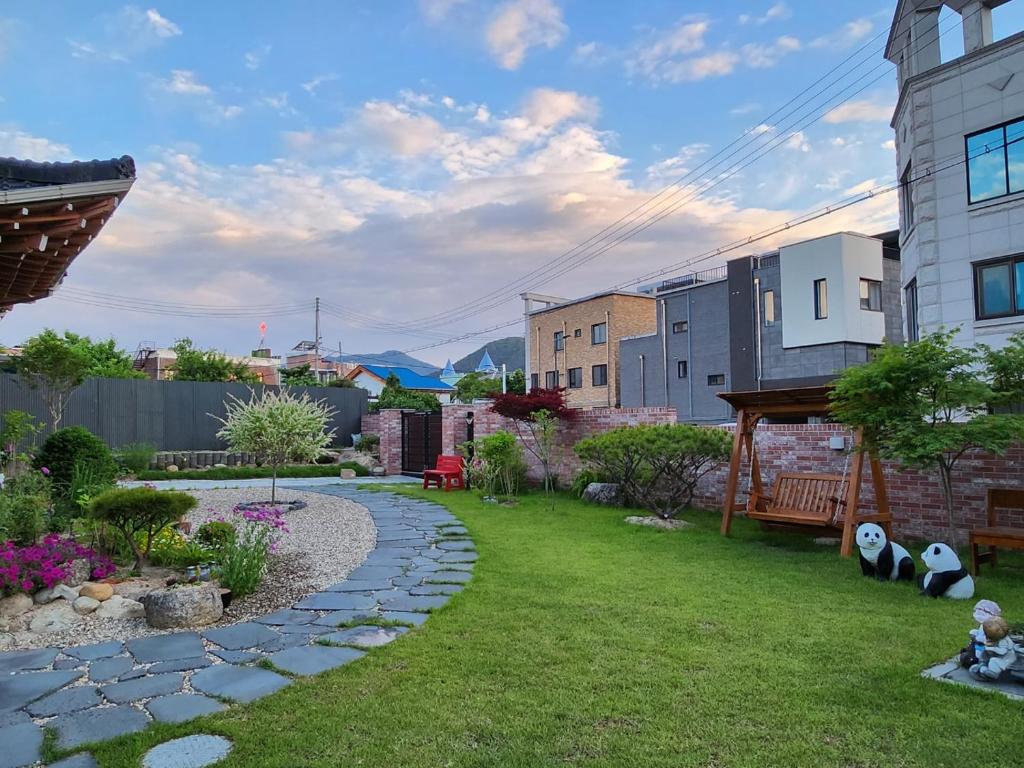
185	606
657	522
378	471
79	571
55	617
66	592
119	607
187	752
98	592
602	493
134	590
15	605
84	605
219	465
171	467
44	596
347	474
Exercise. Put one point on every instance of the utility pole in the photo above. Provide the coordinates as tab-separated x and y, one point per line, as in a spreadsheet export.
316	343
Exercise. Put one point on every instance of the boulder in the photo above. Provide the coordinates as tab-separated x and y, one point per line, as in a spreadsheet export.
79	572
55	617
15	605
134	590
378	471
171	467
602	493
44	596
183	606
347	474
119	607
98	592
66	592
84	605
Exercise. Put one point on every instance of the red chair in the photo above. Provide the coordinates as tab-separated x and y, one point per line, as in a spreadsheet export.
446	474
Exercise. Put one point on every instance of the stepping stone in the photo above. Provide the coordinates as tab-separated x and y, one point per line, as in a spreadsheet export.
355	585
22	745
449	577
302	629
15	661
436	589
409	580
143	688
179	665
81	760
385	546
454	530
68	700
457	545
337	618
242	684
411	603
285	641
17	717
458	557
182	707
386	561
237	657
238	636
132	674
18	690
98	724
287	616
68	663
366	636
313	659
187	752
370	572
179	645
97	651
406	617
336	601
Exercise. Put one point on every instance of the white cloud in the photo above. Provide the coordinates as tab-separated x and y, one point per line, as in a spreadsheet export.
254	58
860	111
889	145
184	84
745	109
124	35
398	130
24	146
679	164
547	107
777	12
798	142
665	56
519	25
161	26
765	56
312	86
846	36
437	10
184	81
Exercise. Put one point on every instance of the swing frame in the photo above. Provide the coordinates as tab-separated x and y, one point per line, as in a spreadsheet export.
751	408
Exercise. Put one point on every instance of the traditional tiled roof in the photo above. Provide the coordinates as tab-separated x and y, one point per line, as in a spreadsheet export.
22	174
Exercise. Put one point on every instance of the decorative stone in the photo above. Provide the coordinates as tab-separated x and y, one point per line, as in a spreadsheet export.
602	493
239	636
184	606
182	707
68	700
18	690
15	605
96	651
22	745
119	607
44	596
313	659
79	571
242	684
97	724
55	617
347	474
85	605
109	669
98	592
657	522
171	467
180	645
135	589
378	471
65	592
15	661
143	688
366	636
187	752
287	616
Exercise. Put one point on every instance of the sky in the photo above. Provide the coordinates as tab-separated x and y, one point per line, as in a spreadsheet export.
417	165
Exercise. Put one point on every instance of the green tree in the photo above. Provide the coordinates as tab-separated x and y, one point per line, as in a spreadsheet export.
208	365
300	376
139	514
394	395
277	427
476	386
1006	371
106	360
926	404
49	363
516	382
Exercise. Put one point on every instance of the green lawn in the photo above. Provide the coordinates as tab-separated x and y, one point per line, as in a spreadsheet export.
585	641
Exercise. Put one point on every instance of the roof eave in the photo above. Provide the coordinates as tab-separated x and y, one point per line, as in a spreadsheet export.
65	191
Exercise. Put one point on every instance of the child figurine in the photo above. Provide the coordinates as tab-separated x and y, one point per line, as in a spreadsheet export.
983	611
998	653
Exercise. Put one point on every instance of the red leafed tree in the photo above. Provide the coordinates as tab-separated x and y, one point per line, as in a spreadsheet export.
538	411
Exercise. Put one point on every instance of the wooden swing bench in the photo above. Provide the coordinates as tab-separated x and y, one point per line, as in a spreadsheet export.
803	499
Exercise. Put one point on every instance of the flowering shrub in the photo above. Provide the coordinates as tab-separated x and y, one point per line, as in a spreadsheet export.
44	565
244	560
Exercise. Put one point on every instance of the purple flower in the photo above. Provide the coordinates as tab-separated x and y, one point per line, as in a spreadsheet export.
45	471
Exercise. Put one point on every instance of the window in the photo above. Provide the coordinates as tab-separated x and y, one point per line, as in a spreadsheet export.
551	379
999	288
682	369
994	159
599	375
681	326
907	199
871	295
577	333
820	299
910	292
559	341
534	383
769	308
599	333
575	378
716	380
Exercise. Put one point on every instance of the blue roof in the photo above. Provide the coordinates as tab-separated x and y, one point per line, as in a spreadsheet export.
449	369
486	365
408	378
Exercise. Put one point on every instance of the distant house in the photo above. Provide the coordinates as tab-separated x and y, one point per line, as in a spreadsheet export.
373	377
449	375
486	365
158	363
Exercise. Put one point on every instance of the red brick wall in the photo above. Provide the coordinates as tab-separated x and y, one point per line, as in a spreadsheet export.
371	424
388	425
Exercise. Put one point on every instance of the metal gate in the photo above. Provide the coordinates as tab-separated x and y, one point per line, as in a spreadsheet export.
421	442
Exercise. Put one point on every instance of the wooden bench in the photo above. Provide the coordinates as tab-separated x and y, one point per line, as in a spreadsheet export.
800	499
447	473
993	535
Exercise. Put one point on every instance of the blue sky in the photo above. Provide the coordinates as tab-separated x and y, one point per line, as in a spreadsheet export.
400	159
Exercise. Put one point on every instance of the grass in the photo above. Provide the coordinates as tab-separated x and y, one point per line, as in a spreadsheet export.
585	641
248	473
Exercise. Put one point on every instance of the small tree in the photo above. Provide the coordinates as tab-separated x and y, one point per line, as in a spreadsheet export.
55	367
106	360
1006	373
299	376
193	364
394	395
926	404
277	427
18	427
538	412
135	511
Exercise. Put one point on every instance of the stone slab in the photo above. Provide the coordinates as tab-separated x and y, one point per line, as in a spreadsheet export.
337	618
357	585
336	601
436	589
414	603
287	616
15	661
144	687
238	637
103	670
96	651
182	707
366	636
371	572
180	665
456	545
81	760
187	752
68	700
99	724
458	557
177	645
302	629
18	690
313	659
22	745
406	617
241	684
237	657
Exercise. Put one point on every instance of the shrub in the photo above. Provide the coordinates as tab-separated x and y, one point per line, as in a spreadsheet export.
135	457
140	510
325	458
368	444
67	449
216	534
498	466
243	562
27	569
657	467
394	395
24	502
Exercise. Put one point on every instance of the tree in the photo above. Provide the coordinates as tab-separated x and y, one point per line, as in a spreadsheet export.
208	365
143	510
926	404
55	367
539	413
516	382
106	360
394	395
342	383
1006	373
277	427
300	376
481	386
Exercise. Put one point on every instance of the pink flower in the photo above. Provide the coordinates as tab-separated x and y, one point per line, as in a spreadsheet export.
45	471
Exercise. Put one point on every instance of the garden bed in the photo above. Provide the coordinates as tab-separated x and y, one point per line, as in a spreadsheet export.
249	473
326	540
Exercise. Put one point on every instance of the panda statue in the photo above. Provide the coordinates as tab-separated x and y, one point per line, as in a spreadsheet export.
946	576
880	558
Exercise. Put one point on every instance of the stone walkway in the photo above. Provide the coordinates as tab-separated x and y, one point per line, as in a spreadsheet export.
98	692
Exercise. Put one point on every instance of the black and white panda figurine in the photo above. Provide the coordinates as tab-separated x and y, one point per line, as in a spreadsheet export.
880	558
946	576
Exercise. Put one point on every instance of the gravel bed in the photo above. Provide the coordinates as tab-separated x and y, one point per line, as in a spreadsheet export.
327	539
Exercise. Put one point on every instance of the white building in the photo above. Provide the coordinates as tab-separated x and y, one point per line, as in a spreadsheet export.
959	128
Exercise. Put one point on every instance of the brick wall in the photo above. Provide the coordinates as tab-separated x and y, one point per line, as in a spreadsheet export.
371	424
388	425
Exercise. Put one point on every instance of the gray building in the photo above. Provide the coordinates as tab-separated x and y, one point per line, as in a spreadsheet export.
793	317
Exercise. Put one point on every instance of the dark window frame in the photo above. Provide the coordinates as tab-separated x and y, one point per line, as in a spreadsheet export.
870	282
548	375
818	314
713	379
1011	262
559	341
681	326
682	369
768	297
910	302
593	375
593	328
578	378
1006	161
907	197
577	333
534	381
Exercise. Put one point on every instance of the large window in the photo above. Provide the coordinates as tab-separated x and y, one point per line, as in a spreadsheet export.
871	295
820	299
907	198
910	295
995	162
999	288
575	378
716	380
769	308
559	341
599	375
551	379
599	333
682	369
